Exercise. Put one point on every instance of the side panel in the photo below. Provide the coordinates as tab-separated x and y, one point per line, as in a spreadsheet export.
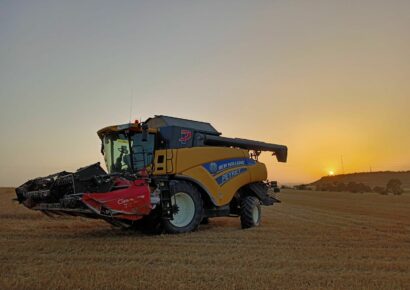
221	171
258	172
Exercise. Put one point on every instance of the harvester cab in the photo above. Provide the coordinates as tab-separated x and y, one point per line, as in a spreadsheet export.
127	148
166	174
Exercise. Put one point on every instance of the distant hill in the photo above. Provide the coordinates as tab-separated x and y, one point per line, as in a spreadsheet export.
371	179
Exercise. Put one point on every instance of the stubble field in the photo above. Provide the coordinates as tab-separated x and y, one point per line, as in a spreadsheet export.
312	240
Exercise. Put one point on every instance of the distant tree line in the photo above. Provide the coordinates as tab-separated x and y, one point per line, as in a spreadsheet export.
393	187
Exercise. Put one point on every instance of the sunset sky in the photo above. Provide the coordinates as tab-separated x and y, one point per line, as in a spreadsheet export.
326	78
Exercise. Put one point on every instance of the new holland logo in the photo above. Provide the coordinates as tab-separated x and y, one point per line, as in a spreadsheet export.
217	167
213	167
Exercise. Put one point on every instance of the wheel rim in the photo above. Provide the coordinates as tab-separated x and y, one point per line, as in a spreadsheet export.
186	209
255	215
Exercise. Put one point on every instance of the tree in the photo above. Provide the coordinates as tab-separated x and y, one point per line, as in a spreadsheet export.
394	186
353	187
340	186
380	189
367	188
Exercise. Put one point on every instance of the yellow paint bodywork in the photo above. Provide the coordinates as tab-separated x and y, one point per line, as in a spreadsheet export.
188	163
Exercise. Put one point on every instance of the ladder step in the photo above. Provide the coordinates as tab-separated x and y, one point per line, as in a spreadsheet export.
166	202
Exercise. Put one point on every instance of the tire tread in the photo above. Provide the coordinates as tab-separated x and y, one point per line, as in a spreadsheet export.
247	205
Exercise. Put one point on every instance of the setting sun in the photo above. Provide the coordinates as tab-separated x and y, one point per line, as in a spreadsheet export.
331	173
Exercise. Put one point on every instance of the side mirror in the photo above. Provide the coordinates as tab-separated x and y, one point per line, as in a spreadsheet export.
144	136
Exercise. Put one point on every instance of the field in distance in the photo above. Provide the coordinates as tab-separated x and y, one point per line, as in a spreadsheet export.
312	240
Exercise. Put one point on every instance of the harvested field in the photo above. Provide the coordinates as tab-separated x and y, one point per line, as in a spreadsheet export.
313	240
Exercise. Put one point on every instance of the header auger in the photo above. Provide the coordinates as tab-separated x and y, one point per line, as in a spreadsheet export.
165	174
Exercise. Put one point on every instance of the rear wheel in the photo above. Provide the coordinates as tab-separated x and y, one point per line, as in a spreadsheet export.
250	212
188	209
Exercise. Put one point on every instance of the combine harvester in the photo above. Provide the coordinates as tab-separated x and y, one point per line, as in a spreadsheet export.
165	174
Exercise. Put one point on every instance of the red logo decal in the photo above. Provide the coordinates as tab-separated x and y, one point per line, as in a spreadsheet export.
185	136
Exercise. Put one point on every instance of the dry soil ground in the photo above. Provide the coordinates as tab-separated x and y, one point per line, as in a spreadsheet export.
310	241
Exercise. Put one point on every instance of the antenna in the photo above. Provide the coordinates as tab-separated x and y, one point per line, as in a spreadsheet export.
341	164
131	101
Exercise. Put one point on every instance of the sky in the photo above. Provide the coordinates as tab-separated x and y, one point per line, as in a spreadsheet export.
329	79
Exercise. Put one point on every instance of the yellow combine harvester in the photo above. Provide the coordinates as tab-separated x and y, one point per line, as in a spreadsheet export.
165	174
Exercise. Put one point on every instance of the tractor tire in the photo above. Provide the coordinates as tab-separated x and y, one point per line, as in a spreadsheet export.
189	209
250	212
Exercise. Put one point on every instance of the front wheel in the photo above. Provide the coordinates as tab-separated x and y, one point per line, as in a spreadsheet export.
250	212
188	209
